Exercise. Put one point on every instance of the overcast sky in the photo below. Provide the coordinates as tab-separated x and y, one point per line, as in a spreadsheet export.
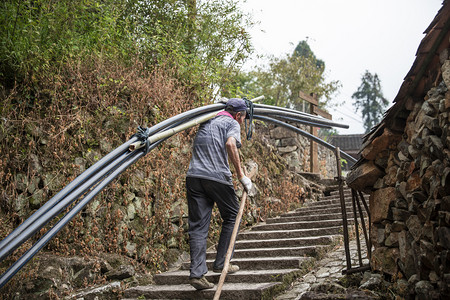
350	36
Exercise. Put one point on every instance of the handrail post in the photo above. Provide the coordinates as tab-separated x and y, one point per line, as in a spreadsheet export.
355	217
369	246
343	208
363	224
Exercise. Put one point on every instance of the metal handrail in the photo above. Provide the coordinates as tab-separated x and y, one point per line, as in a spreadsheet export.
355	203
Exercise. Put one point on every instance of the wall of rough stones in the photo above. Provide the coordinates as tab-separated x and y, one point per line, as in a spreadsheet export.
410	206
296	150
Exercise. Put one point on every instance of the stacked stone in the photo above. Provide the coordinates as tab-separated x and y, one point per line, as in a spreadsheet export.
411	215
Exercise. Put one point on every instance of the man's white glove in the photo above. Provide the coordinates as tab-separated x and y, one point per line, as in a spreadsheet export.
247	183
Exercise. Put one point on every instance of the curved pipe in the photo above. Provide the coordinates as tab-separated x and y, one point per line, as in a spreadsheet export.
120	165
58	226
282	109
72	192
186	115
65	191
306	134
60	206
7	245
296	120
70	215
310	118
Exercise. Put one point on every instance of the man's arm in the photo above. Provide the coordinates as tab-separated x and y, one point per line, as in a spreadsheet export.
233	154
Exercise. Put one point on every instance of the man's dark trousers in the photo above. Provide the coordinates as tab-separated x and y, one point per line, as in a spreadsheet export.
201	195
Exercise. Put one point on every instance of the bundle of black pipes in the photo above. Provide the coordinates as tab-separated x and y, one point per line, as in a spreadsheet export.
88	184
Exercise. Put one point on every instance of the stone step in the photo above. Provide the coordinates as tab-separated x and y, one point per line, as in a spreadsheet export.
321	210
297	233
313	217
300	225
318	207
346	191
185	291
261	263
317	204
348	206
273	252
267	254
347	196
242	276
286	242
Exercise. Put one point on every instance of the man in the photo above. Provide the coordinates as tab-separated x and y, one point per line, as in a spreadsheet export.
209	181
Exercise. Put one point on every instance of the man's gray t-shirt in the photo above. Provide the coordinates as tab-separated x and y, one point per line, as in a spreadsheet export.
209	155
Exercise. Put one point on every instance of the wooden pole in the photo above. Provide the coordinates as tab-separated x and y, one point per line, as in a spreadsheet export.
343	209
313	147
224	273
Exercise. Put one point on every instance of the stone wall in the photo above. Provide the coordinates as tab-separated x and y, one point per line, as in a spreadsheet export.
410	200
296	150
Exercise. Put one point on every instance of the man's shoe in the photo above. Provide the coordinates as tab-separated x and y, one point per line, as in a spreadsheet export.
201	283
231	269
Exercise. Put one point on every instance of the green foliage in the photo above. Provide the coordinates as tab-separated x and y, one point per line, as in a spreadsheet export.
241	84
327	133
343	162
201	41
304	50
204	40
370	100
282	78
38	33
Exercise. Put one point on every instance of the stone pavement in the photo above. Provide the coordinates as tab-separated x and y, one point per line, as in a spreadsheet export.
327	269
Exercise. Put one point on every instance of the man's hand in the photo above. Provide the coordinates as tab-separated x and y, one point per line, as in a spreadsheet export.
247	183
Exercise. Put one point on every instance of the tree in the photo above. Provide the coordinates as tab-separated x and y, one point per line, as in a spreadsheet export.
282	79
202	40
304	50
199	40
370	100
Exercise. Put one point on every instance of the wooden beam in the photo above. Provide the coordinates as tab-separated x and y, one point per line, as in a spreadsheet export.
322	113
308	98
313	148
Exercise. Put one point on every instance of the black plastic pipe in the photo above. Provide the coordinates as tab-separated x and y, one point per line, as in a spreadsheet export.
80	185
310	118
306	134
61	223
53	207
289	110
186	115
65	191
9	246
258	105
60	206
299	121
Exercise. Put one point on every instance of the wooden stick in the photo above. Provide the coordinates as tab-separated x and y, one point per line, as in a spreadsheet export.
223	275
230	247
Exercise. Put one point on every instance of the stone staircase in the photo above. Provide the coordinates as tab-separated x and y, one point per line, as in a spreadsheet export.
270	255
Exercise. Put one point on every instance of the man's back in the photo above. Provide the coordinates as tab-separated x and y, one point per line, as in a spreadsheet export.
209	155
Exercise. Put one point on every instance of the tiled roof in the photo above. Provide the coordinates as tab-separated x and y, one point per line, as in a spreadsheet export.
347	142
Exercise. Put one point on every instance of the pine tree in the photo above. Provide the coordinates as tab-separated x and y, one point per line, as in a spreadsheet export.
370	100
